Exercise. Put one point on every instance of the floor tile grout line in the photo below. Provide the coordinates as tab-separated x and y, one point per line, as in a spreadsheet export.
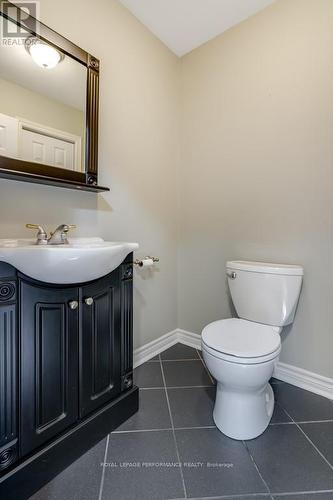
195	428
303	422
257	495
294	493
166	429
173	429
257	469
310	441
176	387
133	431
281	423
170	360
315	447
103	470
179	360
314	422
227	497
202	361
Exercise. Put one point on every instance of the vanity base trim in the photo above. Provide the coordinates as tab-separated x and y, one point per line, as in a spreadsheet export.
32	473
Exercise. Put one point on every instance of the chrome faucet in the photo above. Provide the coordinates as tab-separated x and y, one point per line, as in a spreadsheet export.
58	237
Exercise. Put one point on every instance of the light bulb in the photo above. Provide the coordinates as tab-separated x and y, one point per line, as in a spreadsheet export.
44	55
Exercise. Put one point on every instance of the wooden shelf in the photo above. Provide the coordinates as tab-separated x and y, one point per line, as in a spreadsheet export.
50	181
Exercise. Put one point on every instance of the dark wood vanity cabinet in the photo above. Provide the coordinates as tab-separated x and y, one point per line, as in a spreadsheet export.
65	365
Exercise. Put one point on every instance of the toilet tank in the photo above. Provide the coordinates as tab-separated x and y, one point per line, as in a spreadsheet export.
263	292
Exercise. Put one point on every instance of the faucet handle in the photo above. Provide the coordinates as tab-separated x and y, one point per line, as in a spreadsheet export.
41	234
35	226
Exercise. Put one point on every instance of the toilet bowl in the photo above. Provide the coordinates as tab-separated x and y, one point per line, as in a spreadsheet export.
244	399
241	353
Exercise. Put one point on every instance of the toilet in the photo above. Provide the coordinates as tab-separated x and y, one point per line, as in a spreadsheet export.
240	353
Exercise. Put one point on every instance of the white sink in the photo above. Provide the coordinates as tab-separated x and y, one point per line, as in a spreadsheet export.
84	259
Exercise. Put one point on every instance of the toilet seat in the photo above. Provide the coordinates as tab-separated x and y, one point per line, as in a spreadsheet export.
240	341
240	361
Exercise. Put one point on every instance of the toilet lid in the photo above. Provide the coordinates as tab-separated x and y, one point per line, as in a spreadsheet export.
241	338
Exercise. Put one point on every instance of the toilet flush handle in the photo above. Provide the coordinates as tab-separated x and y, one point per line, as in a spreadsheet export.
232	275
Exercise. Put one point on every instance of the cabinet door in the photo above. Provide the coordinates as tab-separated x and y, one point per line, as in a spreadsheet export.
49	357
100	343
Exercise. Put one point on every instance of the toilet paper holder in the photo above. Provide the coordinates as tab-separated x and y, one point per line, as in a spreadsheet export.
141	262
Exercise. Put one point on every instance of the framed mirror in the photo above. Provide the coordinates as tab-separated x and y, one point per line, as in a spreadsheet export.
49	99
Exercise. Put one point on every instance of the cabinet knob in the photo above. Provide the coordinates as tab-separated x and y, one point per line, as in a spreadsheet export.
89	301
73	304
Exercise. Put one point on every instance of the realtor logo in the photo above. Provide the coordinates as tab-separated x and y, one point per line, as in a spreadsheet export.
15	16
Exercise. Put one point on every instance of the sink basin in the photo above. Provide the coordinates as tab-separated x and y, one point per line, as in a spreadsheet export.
84	259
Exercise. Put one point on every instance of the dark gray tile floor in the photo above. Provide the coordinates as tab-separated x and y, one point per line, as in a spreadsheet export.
80	481
171	448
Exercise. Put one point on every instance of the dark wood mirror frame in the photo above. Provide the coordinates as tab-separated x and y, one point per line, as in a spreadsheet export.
17	169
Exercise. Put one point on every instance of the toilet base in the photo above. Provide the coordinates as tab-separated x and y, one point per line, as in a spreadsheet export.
243	415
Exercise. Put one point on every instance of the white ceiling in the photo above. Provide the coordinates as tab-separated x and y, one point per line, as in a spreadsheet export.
184	25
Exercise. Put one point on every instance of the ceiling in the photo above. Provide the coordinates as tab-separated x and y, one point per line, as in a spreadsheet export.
184	25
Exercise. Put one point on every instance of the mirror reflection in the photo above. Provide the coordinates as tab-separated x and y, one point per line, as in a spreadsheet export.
42	105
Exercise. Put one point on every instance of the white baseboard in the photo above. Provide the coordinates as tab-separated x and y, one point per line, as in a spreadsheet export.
287	373
304	379
150	350
189	338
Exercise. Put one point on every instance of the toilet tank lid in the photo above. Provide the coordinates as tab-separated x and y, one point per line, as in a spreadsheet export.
265	267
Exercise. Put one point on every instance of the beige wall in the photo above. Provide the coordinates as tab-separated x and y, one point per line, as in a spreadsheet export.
138	154
257	176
